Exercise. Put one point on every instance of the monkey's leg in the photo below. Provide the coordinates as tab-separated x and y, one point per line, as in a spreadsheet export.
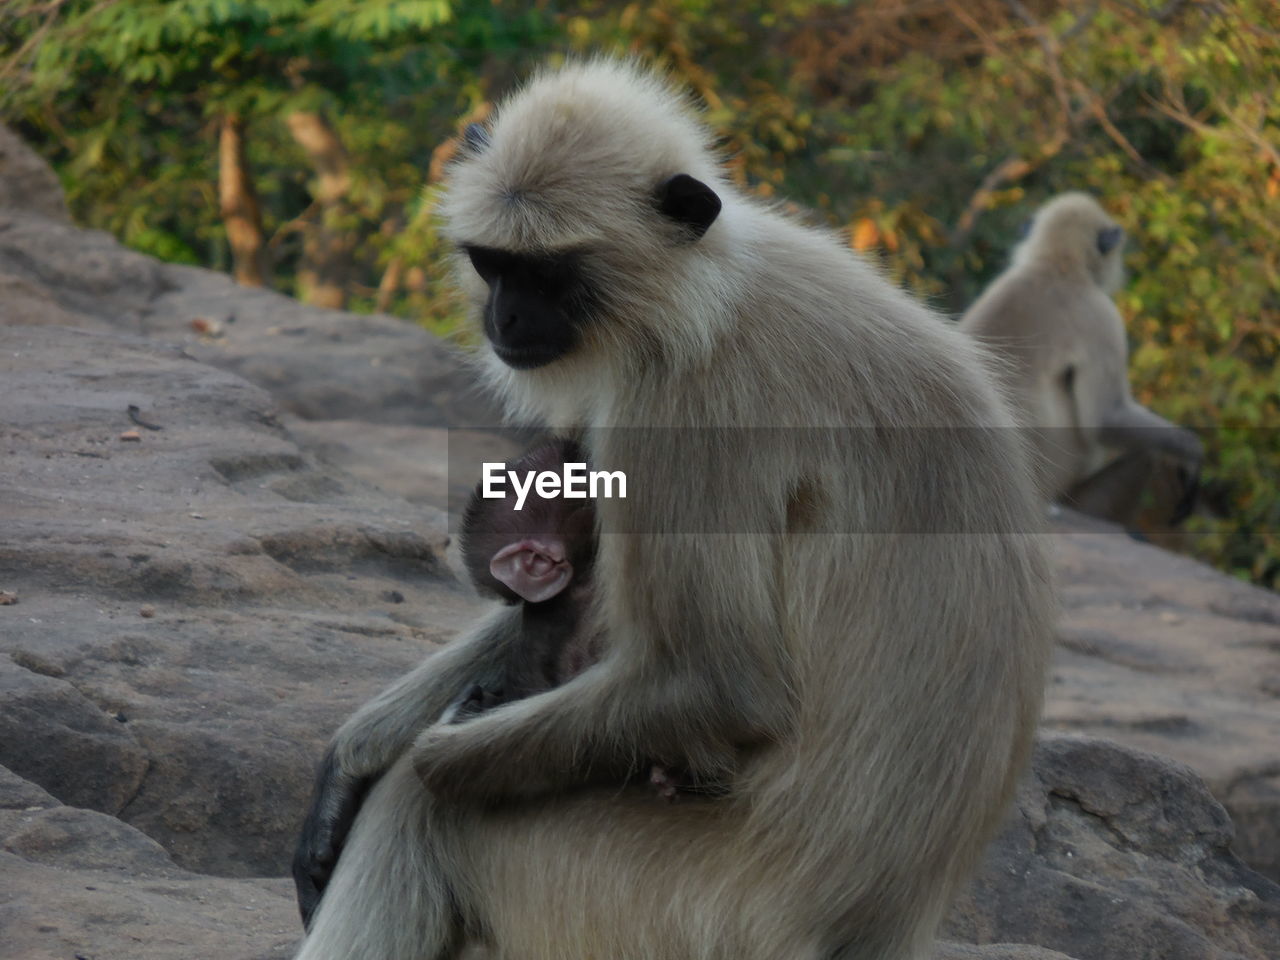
387	898
603	873
371	740
612	874
1115	492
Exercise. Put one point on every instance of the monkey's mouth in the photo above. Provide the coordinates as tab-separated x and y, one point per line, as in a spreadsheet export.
526	358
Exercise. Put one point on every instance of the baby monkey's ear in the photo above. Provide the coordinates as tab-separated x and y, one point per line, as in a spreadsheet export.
535	569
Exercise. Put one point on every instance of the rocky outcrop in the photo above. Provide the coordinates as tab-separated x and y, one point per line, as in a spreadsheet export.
199	603
79	883
1161	653
222	530
1113	853
318	364
26	181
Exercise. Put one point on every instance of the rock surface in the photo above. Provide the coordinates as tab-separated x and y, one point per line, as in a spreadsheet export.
1112	854
1159	652
199	607
318	364
194	604
77	883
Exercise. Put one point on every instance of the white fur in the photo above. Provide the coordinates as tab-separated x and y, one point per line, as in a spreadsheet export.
848	627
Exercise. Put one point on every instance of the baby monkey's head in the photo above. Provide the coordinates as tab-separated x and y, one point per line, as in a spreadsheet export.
533	553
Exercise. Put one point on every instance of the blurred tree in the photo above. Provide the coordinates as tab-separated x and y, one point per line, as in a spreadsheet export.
928	129
238	204
130	95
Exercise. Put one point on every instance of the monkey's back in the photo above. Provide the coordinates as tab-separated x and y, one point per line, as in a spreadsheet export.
921	573
1064	344
823	474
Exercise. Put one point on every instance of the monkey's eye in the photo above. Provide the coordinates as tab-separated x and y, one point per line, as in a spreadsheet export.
487	263
549	276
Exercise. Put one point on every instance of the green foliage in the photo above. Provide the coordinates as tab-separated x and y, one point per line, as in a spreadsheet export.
928	130
125	98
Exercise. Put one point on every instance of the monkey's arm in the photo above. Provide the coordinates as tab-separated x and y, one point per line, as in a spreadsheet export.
378	733
603	725
692	675
1133	426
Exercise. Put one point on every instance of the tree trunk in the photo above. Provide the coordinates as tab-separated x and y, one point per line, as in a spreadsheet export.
389	285
238	204
328	242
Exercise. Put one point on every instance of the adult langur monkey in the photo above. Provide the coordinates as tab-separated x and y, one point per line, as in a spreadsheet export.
1050	314
845	617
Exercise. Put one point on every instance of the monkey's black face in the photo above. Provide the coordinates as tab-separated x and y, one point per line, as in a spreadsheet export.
536	305
539	303
1108	239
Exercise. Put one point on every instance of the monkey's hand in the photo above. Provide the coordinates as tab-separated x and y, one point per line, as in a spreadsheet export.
379	733
335	801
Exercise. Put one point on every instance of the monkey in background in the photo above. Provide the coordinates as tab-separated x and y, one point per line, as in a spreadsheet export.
869	694
1051	318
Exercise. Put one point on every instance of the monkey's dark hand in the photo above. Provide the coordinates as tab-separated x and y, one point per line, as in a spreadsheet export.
475	701
335	800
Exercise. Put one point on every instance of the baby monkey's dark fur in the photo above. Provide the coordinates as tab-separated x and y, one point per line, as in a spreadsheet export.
556	641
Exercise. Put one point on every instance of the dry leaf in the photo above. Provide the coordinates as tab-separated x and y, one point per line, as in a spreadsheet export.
865	235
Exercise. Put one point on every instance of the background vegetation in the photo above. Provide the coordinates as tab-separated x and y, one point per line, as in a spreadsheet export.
300	144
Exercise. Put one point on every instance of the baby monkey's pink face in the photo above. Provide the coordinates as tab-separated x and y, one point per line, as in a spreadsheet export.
535	568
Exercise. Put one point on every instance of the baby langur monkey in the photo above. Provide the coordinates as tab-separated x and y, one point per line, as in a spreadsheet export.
541	556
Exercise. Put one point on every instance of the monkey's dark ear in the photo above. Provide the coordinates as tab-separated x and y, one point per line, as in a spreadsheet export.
689	202
1108	239
475	138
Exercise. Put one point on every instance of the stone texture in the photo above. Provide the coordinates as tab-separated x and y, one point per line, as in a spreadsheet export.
1160	652
1113	853
199	607
76	883
282	594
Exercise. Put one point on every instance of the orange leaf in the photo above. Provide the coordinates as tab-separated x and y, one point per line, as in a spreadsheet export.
865	235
